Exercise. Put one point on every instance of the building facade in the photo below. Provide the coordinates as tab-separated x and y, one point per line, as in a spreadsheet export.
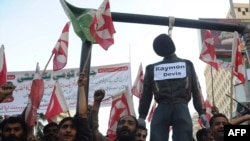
218	83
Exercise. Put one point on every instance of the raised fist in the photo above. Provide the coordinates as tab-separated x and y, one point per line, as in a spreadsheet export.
99	95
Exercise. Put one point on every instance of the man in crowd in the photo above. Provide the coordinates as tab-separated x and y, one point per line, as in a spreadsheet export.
50	132
126	128
14	129
141	133
77	128
217	123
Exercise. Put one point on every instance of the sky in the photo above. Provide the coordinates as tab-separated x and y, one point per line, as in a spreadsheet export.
29	30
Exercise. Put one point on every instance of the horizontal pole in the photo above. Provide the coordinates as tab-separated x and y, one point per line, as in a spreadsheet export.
179	22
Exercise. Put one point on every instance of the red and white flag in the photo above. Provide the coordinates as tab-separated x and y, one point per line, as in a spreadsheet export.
207	54
101	27
122	104
3	67
209	114
138	84
237	60
57	103
35	96
151	113
60	50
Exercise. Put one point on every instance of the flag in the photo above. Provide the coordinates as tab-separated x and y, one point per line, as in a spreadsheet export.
121	105
3	67
60	50
57	103
138	84
151	113
80	19
35	96
237	61
207	54
209	114
101	27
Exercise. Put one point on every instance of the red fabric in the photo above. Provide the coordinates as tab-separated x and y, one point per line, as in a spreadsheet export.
3	67
121	105
57	103
35	96
138	84
101	27
207	54
151	113
60	50
238	67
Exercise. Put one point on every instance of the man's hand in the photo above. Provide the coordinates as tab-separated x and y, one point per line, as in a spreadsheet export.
99	95
6	90
141	122
82	79
204	120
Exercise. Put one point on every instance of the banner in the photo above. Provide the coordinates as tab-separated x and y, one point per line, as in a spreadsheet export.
112	78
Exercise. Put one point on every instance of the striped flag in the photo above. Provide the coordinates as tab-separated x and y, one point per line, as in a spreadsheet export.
207	54
57	104
3	67
101	27
138	84
60	50
237	61
122	104
35	97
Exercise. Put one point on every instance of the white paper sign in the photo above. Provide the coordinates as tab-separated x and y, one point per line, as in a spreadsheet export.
170	71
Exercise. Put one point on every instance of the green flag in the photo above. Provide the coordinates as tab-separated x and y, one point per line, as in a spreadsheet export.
80	19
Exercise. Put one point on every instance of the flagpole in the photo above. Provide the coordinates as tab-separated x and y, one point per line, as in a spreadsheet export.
47	64
85	66
231	94
211	70
68	113
87	59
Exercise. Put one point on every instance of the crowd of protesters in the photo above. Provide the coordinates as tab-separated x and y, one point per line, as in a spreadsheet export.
172	92
82	127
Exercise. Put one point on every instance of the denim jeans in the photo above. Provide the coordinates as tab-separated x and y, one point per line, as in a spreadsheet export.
175	115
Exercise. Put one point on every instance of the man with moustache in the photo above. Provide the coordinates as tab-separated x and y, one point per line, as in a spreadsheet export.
126	128
141	133
217	123
14	129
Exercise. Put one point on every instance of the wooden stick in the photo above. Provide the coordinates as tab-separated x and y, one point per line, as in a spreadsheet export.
211	70
47	65
231	95
69	113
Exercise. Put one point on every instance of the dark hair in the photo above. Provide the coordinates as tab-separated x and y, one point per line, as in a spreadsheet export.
211	121
200	133
64	120
13	120
142	127
136	122
47	126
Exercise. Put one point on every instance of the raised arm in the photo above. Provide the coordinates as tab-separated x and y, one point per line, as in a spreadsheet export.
82	107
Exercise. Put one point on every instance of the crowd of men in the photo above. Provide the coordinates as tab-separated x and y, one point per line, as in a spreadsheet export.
171	82
82	127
